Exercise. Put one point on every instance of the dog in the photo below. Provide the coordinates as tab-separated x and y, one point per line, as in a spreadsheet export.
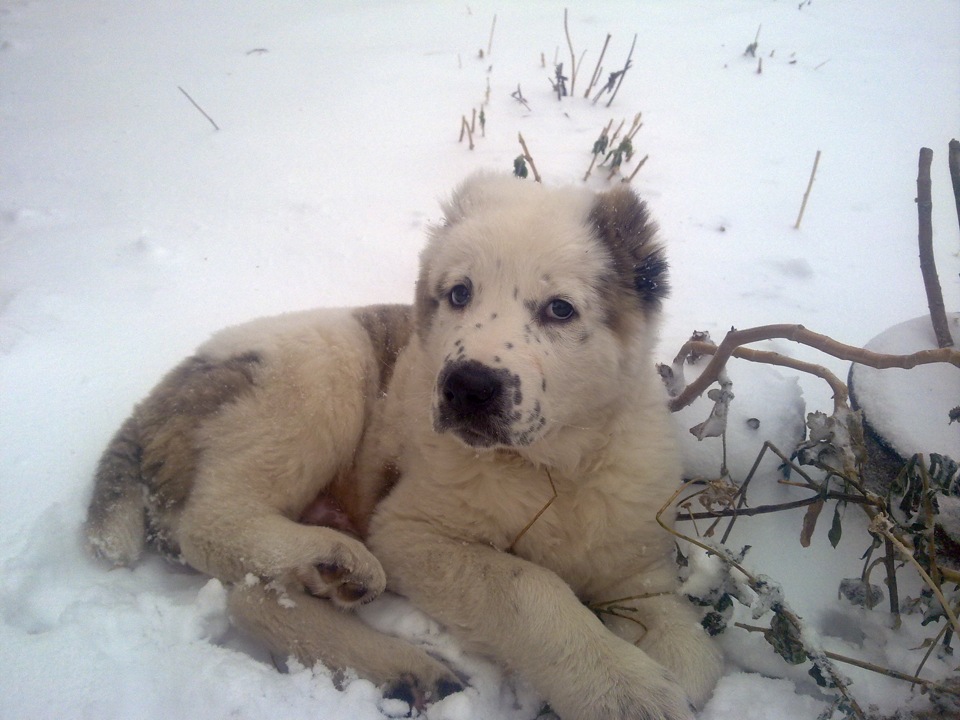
496	452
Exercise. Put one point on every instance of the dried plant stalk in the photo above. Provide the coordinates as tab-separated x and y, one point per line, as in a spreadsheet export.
928	266
806	195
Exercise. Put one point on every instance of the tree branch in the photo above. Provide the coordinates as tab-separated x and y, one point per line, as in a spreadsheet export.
928	265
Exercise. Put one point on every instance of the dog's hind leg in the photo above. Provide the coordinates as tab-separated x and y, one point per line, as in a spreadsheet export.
116	524
293	623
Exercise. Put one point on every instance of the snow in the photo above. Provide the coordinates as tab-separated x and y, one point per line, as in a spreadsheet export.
130	230
910	408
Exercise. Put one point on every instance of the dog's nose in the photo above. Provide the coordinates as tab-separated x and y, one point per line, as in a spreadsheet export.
471	387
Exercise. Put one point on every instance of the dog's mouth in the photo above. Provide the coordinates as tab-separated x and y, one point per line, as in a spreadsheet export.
475	402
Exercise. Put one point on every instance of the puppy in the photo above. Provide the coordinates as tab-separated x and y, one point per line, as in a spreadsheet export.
502	446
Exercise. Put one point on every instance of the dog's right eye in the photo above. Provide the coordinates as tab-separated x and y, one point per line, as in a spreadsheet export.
460	295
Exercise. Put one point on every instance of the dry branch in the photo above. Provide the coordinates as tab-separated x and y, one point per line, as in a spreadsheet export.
954	148
597	70
529	158
626	66
928	266
493	27
202	111
806	195
799	334
573	57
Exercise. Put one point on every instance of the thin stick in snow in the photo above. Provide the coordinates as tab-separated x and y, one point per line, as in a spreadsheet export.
573	57
597	70
806	195
955	172
928	266
492	28
529	158
194	103
623	72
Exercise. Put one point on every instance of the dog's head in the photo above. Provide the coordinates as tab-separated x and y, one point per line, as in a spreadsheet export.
535	307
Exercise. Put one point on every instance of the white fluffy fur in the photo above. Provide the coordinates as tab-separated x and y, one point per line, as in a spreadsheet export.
311	414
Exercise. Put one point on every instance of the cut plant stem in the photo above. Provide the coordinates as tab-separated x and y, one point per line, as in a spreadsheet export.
598	69
529	158
202	111
623	72
573	57
806	195
928	266
493	27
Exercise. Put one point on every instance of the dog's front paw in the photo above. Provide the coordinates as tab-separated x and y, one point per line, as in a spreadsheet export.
346	573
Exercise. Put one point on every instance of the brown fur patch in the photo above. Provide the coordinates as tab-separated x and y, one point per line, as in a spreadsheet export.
638	274
389	328
167	422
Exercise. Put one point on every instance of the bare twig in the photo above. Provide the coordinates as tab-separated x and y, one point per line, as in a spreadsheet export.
928	266
928	684
798	333
465	129
493	27
596	152
529	158
627	65
757	586
202	111
635	170
573	57
536	517
954	149
881	525
597	70
806	195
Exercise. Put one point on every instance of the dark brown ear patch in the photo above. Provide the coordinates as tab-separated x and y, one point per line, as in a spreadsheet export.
621	222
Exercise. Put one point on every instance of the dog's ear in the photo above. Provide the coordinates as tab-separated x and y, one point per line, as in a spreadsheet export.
622	223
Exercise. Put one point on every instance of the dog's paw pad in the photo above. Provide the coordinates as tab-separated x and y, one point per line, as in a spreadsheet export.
448	687
352	592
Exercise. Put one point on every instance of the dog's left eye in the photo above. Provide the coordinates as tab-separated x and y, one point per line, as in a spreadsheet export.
460	295
558	309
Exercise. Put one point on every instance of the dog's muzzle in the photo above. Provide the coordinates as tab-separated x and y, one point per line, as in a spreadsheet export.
475	402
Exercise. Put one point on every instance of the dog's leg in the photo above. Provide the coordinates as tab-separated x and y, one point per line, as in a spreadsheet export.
654	618
267	545
294	623
528	618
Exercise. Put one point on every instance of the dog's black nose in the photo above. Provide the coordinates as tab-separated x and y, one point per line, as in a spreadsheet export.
471	387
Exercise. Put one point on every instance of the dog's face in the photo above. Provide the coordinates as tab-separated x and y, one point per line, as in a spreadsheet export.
535	306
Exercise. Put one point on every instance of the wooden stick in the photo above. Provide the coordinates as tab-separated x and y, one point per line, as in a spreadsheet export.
635	170
928	265
597	70
806	195
194	103
529	158
573	57
954	148
492	28
594	160
626	67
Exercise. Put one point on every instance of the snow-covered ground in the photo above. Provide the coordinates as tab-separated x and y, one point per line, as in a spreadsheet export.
130	229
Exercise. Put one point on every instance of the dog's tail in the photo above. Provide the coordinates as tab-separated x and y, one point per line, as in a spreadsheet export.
116	518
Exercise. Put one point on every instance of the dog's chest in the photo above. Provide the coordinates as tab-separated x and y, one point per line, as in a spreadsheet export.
588	535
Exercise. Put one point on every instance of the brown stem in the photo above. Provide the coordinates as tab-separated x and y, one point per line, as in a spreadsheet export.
928	266
626	66
806	195
529	158
596	71
573	57
955	172
798	333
